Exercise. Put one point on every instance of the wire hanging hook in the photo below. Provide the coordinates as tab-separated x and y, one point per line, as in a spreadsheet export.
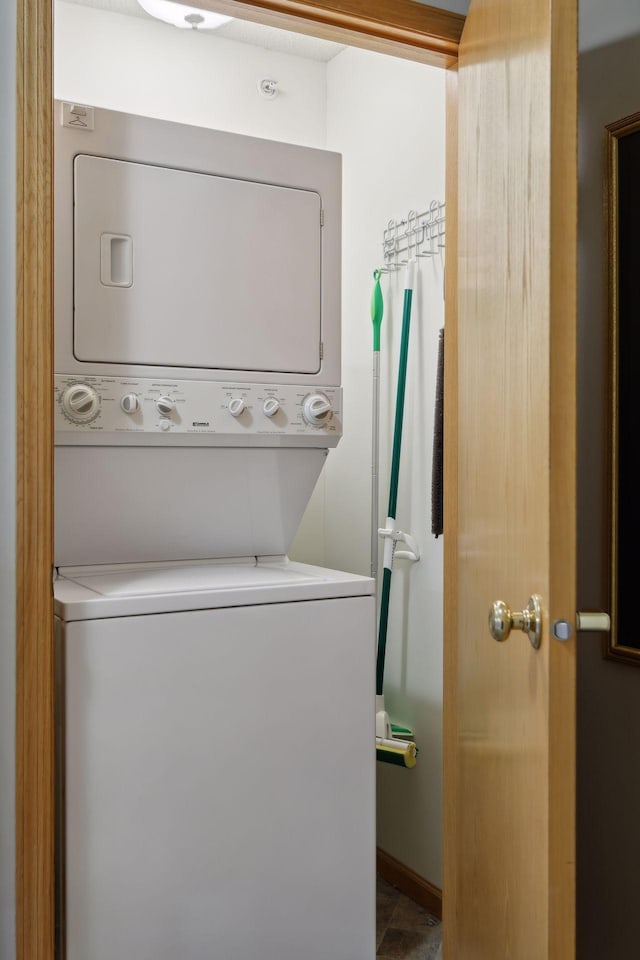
421	234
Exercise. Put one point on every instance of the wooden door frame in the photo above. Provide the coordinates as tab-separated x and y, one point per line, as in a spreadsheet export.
34	507
398	27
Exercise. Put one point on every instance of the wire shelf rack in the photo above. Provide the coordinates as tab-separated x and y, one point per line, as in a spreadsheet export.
415	236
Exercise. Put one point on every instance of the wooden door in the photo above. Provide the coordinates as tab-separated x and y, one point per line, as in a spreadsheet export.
509	884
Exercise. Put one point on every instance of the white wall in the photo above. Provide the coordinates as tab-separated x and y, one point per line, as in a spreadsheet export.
602	24
387	118
151	68
7	478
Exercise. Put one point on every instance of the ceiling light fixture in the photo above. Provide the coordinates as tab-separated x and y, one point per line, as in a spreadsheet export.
182	16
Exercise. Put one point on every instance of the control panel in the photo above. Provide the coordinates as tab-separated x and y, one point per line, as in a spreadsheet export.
115	410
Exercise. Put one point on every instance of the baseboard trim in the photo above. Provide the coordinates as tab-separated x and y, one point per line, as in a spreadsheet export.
409	882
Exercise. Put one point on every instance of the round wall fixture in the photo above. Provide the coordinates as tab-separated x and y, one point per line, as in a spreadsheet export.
268	88
178	15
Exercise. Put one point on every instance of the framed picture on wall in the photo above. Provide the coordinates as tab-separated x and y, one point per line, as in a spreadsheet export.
623	138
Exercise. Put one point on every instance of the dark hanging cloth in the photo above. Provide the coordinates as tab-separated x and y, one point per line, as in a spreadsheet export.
438	444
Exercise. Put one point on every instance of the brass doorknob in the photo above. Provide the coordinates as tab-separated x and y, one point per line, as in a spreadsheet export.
502	620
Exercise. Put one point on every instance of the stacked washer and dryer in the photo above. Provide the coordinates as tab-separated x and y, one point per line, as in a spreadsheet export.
216	709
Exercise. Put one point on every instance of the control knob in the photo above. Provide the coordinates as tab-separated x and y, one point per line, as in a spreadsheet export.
316	409
130	403
236	406
80	403
270	407
166	406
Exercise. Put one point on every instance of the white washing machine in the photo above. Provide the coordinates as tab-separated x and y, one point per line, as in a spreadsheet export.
216	701
217	762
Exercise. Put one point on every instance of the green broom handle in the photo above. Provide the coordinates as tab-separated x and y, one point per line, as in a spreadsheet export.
382	629
402	381
395	473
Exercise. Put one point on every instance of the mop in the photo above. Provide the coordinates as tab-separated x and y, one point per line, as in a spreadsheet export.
390	747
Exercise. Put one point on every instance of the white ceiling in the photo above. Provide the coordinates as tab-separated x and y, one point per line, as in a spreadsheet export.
241	30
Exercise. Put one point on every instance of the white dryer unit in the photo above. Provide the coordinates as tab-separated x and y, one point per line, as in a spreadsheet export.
189	253
197	338
218	762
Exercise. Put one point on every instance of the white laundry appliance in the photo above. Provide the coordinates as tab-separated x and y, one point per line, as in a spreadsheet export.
215	709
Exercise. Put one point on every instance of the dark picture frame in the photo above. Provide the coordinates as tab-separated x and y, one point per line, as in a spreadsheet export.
623	149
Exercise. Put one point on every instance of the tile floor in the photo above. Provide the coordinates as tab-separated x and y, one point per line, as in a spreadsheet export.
404	930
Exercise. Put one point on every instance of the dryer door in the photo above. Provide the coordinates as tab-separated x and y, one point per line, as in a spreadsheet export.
175	268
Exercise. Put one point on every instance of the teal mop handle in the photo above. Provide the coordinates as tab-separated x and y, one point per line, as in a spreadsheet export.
382	629
395	473
402	382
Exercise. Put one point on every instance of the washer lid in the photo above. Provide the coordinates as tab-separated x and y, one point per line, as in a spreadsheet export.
87	593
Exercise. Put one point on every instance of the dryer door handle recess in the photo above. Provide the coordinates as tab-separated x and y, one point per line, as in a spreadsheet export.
116	260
